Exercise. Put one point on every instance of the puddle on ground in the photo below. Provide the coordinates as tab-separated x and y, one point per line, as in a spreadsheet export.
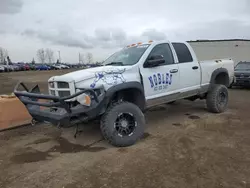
40	141
64	147
158	108
145	136
123	150
187	114
30	157
194	117
67	147
177	124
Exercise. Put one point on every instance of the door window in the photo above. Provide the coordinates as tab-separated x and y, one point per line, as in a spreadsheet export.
165	51
183	53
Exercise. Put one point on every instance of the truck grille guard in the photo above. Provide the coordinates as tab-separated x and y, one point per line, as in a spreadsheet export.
30	99
34	94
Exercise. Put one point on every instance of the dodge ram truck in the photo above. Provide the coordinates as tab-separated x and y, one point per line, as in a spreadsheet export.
132	80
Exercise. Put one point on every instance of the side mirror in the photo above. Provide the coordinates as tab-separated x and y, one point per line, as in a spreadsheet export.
154	61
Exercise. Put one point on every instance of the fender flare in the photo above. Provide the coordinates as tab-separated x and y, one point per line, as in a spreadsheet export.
127	85
217	72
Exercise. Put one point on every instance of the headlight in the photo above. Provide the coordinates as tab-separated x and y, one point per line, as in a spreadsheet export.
51	84
84	99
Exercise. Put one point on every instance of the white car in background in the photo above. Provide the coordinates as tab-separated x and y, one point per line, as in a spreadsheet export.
2	69
60	66
64	66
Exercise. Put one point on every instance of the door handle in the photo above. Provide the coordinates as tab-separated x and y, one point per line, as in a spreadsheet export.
173	70
195	67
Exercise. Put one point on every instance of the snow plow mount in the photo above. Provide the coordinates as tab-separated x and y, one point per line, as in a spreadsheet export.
58	111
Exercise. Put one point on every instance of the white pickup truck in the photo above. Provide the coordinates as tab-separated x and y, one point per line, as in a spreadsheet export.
130	81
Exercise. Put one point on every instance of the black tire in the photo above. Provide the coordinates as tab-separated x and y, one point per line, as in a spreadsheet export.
231	85
109	124
217	99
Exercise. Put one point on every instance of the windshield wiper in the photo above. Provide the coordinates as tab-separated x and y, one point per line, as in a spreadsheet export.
115	63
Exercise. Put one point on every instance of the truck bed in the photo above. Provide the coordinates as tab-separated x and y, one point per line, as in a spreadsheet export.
208	66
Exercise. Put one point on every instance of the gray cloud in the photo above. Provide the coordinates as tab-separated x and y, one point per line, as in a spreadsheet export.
103	35
10	6
104	38
99	27
64	37
221	29
153	34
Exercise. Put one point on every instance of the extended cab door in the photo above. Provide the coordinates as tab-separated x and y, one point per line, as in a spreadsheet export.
189	69
162	80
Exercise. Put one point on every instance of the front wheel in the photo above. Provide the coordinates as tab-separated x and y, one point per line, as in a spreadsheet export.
123	124
217	99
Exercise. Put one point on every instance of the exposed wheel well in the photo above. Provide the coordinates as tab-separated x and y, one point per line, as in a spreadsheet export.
132	95
222	78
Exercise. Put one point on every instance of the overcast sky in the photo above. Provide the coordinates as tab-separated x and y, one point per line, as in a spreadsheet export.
103	26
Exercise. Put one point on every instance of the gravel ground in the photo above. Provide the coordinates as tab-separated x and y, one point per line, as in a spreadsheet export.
31	78
183	146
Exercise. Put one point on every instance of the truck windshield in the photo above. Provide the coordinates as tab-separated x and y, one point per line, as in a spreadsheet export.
127	56
243	66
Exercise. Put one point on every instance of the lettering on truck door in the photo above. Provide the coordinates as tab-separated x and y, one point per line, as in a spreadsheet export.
163	79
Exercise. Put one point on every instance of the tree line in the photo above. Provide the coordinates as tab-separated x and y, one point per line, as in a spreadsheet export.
45	56
3	56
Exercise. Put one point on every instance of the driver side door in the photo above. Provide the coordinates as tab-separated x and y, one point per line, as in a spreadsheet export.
161	82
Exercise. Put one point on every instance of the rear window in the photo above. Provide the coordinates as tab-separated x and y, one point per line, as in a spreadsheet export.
183	53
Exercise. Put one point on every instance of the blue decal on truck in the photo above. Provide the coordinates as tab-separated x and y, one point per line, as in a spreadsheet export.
111	77
160	81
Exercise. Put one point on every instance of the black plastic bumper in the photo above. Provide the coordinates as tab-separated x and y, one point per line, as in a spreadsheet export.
242	82
58	111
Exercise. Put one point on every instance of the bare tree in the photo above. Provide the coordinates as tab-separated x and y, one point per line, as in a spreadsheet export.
49	55
3	55
41	55
9	60
33	61
81	58
89	57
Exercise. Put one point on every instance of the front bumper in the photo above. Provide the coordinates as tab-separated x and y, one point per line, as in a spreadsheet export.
242	82
58	111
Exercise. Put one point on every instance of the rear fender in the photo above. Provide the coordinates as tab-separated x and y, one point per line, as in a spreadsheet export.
218	72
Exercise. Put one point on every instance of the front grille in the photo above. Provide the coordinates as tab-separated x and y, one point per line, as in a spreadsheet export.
51	84
62	85
53	92
63	93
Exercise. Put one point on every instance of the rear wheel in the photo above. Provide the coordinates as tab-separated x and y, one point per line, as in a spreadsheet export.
123	124
231	85
217	99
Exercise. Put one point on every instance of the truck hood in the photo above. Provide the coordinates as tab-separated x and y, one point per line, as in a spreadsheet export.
85	74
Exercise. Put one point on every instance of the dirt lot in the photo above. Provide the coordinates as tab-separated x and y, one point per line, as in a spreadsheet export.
31	78
184	146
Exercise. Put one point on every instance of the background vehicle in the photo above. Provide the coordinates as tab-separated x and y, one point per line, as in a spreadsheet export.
242	74
54	67
2	69
42	67
8	68
131	81
32	67
15	67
